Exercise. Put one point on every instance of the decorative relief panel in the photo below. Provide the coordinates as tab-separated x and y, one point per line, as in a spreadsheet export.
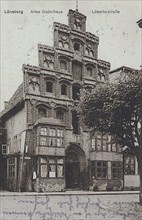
63	41
34	85
48	61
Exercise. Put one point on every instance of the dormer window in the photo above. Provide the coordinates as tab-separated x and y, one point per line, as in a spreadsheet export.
49	86
76	46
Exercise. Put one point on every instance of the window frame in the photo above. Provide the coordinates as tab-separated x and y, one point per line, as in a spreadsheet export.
50	138
12	167
95	167
119	170
129	164
51	161
52	86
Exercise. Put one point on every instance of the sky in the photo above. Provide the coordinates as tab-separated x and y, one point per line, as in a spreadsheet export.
120	38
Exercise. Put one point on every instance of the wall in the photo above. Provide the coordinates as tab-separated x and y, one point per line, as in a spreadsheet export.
14	126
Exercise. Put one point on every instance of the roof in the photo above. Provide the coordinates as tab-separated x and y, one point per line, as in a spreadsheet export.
50	121
15	99
140	23
122	68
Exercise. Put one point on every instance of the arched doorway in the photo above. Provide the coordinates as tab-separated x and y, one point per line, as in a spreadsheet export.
74	167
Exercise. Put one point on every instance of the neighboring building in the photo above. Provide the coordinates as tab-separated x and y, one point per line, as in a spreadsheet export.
48	149
131	175
139	23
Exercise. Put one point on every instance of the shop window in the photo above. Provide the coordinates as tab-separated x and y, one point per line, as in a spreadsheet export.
42	112
60	114
11	167
51	167
116	170
99	169
63	89
49	86
76	46
75	123
63	65
129	165
75	92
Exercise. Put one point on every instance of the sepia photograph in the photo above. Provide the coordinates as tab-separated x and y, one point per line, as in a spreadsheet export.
71	110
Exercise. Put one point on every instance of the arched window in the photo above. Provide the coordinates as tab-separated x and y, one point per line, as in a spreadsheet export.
89	71
60	44
49	86
75	92
76	46
63	89
60	114
66	45
63	65
42	112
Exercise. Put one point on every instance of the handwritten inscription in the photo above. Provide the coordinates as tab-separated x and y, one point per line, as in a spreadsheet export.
70	207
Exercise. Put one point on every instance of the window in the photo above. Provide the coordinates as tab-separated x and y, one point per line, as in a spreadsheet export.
43	131
46	64
4	149
76	92
49	86
129	165
63	89
11	167
75	123
99	169
116	170
63	65
51	167
43	138
89	71
77	70
42	112
51	137
76	46
43	141
93	144
60	114
100	142
60	44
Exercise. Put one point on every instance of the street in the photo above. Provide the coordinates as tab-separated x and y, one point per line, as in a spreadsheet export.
71	205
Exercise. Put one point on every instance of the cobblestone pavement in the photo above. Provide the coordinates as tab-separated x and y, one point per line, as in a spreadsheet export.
71	206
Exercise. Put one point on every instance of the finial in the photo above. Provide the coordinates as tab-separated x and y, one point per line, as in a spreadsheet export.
76	5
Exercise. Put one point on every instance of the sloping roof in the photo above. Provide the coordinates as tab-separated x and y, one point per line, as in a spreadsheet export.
49	121
15	99
123	68
140	23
